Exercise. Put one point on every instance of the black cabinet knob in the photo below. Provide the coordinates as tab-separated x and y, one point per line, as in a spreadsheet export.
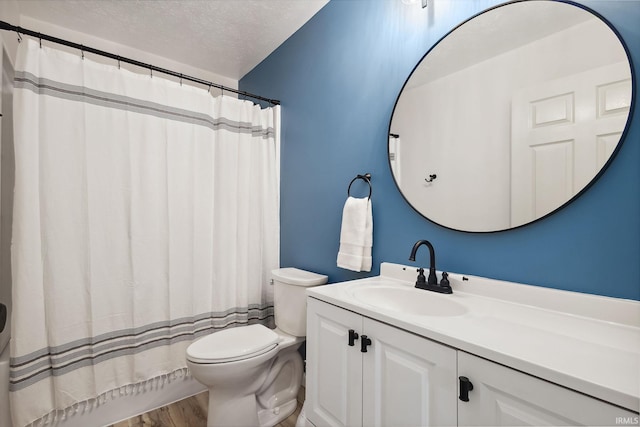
364	343
465	388
353	336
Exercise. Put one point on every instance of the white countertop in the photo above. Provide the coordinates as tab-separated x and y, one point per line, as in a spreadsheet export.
588	343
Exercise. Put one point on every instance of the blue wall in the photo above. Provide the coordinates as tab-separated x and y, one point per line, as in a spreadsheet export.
338	78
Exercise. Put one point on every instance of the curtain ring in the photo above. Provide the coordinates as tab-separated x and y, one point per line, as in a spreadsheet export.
151	72
118	59
366	178
40	39
19	36
180	79
82	51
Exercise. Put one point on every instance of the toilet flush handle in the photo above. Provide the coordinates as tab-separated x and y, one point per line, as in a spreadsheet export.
3	316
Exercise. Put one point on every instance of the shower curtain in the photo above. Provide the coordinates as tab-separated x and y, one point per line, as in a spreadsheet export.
145	215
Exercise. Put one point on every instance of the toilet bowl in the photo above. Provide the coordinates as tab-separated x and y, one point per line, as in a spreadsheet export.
253	373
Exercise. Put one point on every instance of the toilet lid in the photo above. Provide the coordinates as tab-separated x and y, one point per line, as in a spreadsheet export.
232	344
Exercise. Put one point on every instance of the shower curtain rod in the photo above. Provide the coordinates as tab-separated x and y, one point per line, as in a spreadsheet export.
8	27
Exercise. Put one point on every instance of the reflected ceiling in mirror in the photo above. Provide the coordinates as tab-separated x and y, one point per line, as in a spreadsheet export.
515	112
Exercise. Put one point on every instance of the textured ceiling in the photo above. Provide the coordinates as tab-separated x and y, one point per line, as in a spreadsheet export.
225	37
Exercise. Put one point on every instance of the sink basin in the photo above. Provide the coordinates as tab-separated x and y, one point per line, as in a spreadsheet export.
408	300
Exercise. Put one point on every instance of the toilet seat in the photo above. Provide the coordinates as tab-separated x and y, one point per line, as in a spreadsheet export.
231	345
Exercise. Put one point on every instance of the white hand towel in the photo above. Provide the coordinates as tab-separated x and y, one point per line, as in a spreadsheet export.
356	235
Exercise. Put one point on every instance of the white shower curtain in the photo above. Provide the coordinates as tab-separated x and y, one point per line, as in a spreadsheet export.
146	214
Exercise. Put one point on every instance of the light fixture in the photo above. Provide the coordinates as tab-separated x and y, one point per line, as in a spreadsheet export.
424	2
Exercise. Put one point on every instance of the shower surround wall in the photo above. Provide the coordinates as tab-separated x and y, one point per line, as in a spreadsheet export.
338	78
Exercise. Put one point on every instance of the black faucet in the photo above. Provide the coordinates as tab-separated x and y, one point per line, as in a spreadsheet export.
430	284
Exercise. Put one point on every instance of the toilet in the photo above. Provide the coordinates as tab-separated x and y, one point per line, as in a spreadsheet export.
253	373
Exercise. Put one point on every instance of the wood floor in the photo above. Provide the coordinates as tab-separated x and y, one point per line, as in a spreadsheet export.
191	412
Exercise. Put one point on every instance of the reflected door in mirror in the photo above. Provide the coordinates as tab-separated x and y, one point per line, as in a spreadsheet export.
563	133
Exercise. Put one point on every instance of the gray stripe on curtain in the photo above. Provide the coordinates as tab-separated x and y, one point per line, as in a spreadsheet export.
213	317
43	86
59	360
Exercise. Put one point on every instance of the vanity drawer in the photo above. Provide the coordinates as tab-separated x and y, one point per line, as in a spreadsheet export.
502	396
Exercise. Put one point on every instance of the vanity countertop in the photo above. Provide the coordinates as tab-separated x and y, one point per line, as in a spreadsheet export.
585	342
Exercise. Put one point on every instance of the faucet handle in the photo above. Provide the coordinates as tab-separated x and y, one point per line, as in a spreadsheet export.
421	280
445	280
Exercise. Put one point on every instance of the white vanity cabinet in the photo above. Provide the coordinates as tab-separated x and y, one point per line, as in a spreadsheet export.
533	355
401	380
505	397
404	379
334	369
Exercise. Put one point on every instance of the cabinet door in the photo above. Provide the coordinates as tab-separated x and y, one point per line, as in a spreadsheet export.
334	369
504	397
407	380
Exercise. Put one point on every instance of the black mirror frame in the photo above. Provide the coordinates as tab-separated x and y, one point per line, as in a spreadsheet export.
602	170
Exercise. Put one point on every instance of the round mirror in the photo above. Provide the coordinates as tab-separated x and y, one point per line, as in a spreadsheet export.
510	116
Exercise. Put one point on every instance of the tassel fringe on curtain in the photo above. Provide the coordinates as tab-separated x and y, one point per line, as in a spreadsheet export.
145	215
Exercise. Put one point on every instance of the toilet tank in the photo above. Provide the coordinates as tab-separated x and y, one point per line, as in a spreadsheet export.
290	298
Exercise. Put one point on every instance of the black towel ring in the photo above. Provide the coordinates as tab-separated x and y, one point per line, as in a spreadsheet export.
366	177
